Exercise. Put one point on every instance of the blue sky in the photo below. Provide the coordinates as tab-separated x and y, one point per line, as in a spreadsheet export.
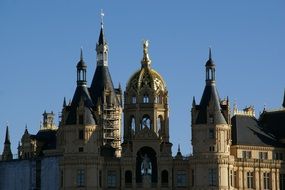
40	45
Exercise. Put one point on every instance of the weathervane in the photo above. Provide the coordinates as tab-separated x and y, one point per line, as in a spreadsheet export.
102	15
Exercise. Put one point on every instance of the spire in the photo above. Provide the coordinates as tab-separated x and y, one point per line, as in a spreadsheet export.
145	60
178	154
210	70
81	70
7	137
283	100
193	102
210	108
7	153
102	47
64	102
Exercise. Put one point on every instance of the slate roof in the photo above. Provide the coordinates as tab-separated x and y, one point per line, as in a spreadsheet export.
210	97
273	122
81	92
48	138
102	81
246	131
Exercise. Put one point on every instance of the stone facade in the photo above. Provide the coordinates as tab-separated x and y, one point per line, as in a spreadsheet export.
230	150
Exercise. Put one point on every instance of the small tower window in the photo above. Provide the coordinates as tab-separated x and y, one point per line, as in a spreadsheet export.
133	124
134	99
211	133
145	99
81	134
159	124
145	122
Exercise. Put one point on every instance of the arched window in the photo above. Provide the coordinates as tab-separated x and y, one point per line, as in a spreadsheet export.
164	178
128	178
145	122
159	124
133	124
134	99
145	98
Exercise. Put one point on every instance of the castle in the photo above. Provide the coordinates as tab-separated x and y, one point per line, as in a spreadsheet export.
86	151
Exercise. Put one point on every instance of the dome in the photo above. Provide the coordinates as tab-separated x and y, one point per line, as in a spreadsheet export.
146	76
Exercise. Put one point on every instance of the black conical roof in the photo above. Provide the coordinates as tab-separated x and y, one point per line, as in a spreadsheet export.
7	136
210	98
102	81
81	93
101	40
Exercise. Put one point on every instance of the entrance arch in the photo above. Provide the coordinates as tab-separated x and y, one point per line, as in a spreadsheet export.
150	154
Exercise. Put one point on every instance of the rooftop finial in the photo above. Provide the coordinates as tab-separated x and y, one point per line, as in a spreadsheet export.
210	53
178	147
7	137
81	53
102	17
146	60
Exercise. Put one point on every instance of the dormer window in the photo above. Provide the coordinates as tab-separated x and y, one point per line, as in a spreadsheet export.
145	99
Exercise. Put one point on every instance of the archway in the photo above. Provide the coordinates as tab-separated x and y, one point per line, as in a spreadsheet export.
151	155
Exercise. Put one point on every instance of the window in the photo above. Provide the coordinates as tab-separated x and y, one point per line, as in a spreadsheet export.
181	179
235	179
145	99
249	179
80	149
134	99
80	180
211	119
212	177
164	178
100	178
231	177
246	154
80	117
133	124
266	184
128	178
263	155
159	124
145	122
81	134
282	181
211	148
278	156
111	179
211	134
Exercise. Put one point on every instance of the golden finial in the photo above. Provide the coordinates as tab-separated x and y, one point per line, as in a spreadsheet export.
146	60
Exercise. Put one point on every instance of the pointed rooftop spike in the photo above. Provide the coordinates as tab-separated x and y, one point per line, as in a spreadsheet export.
178	147
210	53
193	102
81	54
64	102
7	137
284	100
101	39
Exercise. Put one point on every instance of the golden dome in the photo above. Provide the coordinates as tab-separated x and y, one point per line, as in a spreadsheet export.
146	77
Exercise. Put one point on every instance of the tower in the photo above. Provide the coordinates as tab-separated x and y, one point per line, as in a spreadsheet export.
211	134
146	124
107	100
7	153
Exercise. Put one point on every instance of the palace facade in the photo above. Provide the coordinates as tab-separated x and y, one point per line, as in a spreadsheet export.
92	149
